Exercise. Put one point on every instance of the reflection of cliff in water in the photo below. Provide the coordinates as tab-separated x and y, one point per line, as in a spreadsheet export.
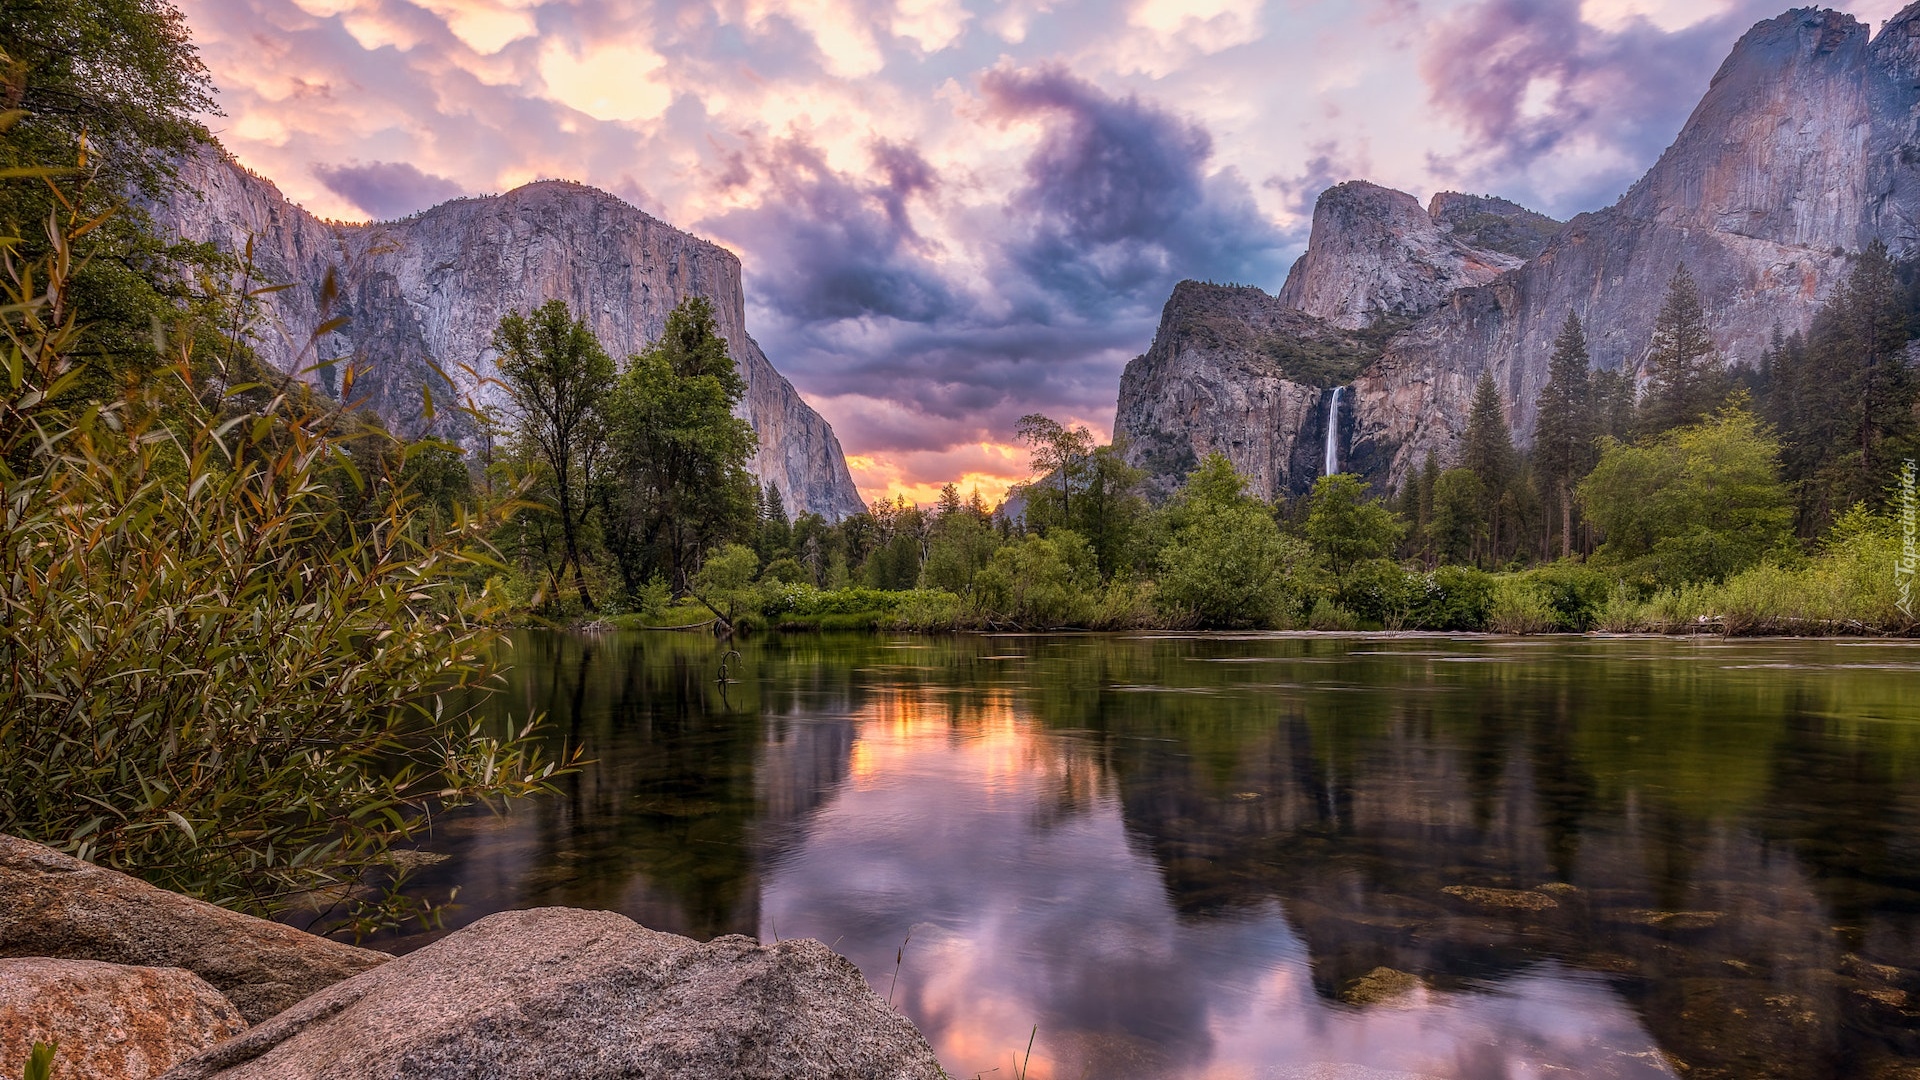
1464	837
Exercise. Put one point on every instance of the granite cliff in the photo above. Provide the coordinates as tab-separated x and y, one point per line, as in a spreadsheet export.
422	296
1805	148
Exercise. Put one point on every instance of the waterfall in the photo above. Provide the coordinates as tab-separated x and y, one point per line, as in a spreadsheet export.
1333	434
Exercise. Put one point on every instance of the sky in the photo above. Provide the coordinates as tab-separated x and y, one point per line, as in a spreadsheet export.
952	213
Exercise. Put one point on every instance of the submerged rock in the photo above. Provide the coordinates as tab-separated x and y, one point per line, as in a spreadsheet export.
1382	984
110	1021
585	995
59	906
1502	899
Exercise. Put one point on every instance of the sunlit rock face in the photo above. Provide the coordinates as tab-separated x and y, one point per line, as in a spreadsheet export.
1215	381
1803	150
426	292
1375	254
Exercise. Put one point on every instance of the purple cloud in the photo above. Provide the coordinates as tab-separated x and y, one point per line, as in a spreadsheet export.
386	189
1530	79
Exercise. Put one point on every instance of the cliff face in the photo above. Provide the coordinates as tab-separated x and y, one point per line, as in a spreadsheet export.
1231	371
426	292
1805	147
1375	254
1236	371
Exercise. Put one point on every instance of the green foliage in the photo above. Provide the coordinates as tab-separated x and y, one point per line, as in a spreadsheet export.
1333	360
959	546
1458	528
1848	587
1345	527
1844	400
1226	563
682	484
725	582
40	1061
1521	605
111	90
1564	431
234	661
1039	582
1230	566
557	375
1696	504
1452	598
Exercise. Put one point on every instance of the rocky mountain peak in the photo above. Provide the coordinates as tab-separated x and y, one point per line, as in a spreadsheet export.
1804	149
1488	223
1774	149
1375	254
423	295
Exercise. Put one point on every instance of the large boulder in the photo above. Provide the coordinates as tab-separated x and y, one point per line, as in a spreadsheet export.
58	906
585	995
111	1022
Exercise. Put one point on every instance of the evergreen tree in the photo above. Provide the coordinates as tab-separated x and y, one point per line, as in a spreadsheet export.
682	452
776	531
1613	402
1487	452
1564	431
1843	401
1685	379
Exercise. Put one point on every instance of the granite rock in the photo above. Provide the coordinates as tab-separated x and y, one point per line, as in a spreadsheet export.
110	1021
422	296
58	906
585	995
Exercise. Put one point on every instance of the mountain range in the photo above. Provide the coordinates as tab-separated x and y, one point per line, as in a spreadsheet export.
1805	149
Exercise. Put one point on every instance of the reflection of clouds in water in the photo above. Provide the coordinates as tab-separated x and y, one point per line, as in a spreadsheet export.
1003	850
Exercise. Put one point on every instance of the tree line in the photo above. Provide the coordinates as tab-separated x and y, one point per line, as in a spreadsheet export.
1700	474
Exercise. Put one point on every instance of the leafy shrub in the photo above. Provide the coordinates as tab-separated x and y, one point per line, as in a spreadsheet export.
1452	598
1575	592
1521	604
1327	615
1039	582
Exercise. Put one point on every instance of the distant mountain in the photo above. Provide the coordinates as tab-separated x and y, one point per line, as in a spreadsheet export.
426	292
1805	148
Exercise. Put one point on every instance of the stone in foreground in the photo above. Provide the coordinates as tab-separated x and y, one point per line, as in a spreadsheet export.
585	995
111	1022
60	906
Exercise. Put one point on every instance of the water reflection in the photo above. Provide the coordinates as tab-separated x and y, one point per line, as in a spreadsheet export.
1265	856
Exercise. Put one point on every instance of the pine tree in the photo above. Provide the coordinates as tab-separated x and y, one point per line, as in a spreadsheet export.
1684	372
1564	432
1843	401
1487	452
1613	395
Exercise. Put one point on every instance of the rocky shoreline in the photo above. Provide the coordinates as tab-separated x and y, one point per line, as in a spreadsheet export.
136	983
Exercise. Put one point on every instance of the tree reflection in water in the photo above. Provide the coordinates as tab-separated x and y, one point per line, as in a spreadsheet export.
1253	856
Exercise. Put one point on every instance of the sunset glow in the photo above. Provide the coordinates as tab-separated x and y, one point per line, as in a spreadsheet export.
955	212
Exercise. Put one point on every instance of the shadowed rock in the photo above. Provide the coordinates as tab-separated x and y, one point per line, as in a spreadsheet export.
58	906
111	1022
585	995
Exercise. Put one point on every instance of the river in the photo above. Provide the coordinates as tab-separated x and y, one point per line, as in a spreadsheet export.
1206	856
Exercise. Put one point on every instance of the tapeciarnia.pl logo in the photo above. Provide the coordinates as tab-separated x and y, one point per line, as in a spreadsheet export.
1909	561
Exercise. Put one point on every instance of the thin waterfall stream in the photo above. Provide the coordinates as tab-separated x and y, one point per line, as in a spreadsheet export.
1333	434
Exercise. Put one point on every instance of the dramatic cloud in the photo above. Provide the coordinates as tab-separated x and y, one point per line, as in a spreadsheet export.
1563	108
386	189
954	212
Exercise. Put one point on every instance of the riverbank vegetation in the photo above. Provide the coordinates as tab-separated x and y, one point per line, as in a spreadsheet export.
1738	501
241	643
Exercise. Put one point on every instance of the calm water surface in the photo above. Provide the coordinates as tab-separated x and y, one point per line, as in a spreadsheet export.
1264	856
